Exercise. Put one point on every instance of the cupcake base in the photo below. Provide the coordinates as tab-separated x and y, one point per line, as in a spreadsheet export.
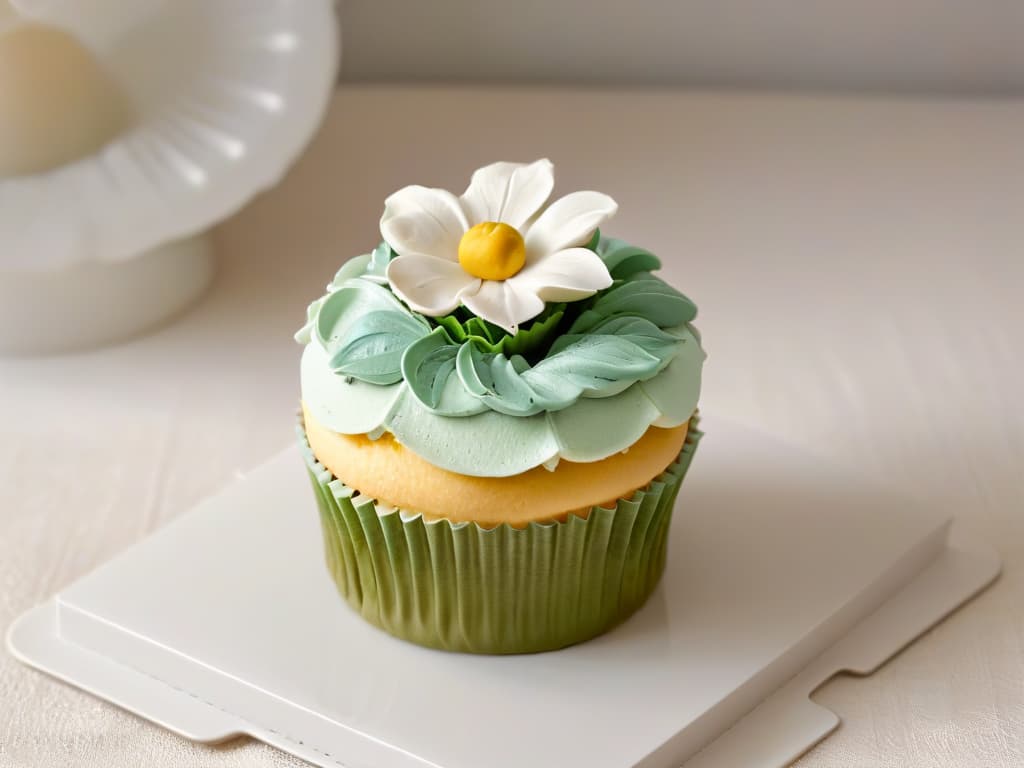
462	587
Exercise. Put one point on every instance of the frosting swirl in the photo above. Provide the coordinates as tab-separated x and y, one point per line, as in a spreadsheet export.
589	430
597	352
621	336
629	358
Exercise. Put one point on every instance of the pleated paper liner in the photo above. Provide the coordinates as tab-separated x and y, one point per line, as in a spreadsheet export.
461	587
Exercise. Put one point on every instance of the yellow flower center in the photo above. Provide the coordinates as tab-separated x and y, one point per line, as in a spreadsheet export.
492	251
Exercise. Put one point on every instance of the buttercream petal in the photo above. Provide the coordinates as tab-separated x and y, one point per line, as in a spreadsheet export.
467	445
341	403
430	286
568	222
419	221
568	275
676	390
504	304
508	192
585	432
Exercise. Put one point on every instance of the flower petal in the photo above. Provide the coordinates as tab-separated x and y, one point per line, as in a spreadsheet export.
568	275
504	304
508	192
568	222
419	221
430	286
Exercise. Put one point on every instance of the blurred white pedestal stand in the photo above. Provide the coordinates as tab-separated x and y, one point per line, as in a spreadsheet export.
97	230
88	305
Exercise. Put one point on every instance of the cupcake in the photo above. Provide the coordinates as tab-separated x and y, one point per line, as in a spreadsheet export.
498	409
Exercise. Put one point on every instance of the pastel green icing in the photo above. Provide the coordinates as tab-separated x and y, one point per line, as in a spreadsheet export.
623	259
641	295
454	389
676	391
596	365
349	406
613	341
588	430
485	444
352	268
355	267
366	330
377	264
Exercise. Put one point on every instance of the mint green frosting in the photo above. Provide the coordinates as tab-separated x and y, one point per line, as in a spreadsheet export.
582	382
597	365
470	440
612	341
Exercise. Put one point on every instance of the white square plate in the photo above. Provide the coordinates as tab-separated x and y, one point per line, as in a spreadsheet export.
782	571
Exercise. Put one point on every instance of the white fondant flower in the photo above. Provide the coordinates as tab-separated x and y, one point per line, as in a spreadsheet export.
494	249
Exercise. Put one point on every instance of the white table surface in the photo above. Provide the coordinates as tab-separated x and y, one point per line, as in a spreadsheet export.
859	265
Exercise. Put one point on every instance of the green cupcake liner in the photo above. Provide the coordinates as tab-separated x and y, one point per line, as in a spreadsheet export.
462	587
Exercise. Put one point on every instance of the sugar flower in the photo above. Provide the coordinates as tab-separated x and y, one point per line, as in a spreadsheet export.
499	250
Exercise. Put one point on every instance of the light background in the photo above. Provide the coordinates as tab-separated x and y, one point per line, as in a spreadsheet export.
859	280
897	46
857	262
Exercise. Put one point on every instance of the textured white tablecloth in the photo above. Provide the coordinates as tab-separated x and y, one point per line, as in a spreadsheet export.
859	265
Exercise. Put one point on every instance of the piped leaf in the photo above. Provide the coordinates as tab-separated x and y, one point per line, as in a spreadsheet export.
630	349
427	364
373	347
640	295
376	268
623	259
350	301
350	269
305	333
365	330
638	330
